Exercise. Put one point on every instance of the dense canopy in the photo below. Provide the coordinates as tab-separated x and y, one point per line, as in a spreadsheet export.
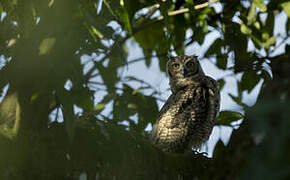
67	110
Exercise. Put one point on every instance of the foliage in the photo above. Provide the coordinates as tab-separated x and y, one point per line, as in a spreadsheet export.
42	47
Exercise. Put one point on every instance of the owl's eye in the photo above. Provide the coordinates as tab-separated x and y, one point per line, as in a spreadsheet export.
190	64
175	66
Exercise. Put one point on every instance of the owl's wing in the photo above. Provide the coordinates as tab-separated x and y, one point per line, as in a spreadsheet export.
167	105
187	115
214	98
167	117
200	107
165	108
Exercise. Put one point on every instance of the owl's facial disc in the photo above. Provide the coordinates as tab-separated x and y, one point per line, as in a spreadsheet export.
183	71
190	68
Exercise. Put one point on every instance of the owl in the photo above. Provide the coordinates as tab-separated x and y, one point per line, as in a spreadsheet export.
187	118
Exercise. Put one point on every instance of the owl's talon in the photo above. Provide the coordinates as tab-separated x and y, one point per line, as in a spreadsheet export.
195	152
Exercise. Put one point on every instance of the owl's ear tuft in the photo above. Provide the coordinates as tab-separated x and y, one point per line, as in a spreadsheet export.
195	57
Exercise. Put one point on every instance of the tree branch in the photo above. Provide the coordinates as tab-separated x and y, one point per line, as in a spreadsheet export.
185	10
119	42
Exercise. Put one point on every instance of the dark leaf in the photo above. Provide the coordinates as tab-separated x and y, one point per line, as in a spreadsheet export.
269	25
225	118
238	101
219	148
222	61
215	48
249	80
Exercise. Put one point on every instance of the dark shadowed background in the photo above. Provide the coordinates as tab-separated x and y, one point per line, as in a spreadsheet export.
81	83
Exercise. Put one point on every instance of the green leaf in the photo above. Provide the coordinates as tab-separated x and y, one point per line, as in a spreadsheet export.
162	63
126	20
221	83
245	29
286	8
265	36
100	106
1	10
238	100
222	61
152	38
260	4
147	110
132	106
97	33
219	149
147	59
227	117
34	97
258	43
269	25
50	3
257	25
189	2
214	48
251	18
270	42
249	80
46	45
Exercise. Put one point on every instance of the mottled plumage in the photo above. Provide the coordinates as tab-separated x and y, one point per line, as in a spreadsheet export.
187	118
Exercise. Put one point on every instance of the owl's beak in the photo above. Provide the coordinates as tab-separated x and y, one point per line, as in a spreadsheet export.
185	72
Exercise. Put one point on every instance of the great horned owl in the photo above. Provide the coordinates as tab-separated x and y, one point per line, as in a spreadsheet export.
187	118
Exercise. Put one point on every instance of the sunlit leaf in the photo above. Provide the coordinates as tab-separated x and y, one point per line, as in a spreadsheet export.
132	106
100	106
11	42
260	4
245	29
286	8
50	3
265	36
126	19
252	14
97	33
34	97
270	42
46	46
257	25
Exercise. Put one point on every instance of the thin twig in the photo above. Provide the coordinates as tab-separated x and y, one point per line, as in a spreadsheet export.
185	10
152	10
123	40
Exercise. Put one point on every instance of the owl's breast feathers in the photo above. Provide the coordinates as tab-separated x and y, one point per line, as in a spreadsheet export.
187	118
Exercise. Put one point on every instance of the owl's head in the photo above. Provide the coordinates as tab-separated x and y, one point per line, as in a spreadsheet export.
184	71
